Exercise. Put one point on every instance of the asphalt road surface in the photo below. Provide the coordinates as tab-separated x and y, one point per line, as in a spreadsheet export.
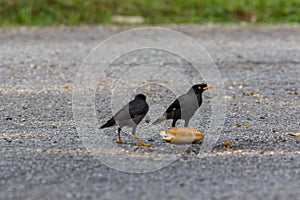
44	156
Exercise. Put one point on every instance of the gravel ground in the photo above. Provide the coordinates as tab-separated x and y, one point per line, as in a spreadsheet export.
44	157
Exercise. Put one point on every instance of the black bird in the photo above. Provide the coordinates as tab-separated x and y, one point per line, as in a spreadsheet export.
130	115
185	106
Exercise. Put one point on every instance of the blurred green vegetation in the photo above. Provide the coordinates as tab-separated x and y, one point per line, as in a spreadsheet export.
73	12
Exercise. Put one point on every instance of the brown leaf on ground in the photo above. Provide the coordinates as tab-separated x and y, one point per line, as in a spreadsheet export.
229	97
227	143
104	80
241	126
295	92
65	86
295	134
253	94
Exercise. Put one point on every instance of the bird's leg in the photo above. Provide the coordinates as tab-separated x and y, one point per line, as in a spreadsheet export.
186	122
141	143
174	122
119	141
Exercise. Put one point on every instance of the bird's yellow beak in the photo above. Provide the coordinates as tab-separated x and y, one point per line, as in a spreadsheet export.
207	87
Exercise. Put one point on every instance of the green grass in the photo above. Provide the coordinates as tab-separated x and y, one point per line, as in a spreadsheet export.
73	12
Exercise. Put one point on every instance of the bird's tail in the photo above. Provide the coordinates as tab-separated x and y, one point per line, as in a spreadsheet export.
159	120
109	123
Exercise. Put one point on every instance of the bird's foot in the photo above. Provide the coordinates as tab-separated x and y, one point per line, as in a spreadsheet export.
121	142
143	144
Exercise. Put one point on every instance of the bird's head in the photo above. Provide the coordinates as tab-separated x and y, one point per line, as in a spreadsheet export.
199	88
140	96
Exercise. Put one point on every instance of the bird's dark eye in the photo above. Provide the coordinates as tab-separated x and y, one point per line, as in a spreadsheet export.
199	87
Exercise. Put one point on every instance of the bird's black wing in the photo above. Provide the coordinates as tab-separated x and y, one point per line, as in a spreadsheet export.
174	106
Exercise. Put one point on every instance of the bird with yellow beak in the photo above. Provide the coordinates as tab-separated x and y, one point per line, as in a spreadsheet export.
185	106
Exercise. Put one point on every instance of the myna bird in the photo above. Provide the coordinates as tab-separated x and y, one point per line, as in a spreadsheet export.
130	115
185	106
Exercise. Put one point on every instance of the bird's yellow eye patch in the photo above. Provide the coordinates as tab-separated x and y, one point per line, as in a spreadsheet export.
199	87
